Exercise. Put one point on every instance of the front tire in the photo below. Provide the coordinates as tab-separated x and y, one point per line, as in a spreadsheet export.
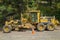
50	27
7	29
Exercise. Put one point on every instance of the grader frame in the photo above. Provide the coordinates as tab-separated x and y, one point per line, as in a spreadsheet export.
31	19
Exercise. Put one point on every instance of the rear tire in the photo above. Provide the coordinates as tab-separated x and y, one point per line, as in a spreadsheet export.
7	29
41	27
50	27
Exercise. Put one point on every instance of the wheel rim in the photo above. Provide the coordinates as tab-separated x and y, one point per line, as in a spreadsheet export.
41	28
50	27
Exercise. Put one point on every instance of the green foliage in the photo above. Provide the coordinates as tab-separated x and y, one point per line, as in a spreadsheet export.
9	8
0	15
58	5
2	7
32	4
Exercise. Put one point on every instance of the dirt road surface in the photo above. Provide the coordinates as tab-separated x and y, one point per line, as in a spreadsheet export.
27	35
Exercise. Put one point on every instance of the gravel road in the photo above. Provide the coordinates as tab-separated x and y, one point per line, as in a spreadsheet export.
27	35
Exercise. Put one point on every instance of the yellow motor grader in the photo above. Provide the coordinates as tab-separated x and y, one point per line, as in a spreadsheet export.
31	19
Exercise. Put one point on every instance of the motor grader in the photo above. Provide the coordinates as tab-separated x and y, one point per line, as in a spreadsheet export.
31	20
